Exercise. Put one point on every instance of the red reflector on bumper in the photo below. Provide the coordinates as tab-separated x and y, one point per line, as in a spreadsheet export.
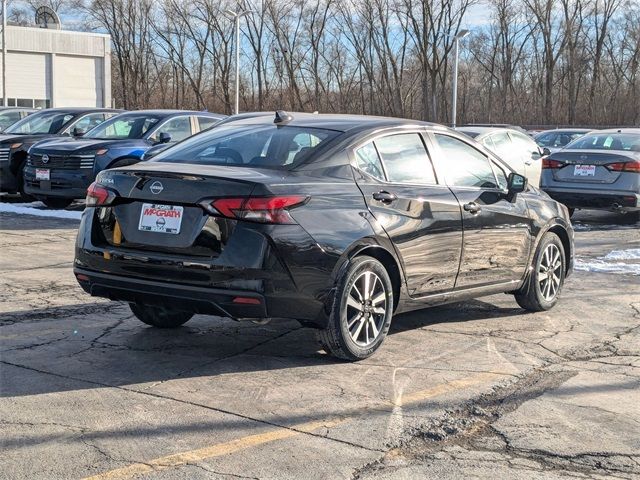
246	301
82	278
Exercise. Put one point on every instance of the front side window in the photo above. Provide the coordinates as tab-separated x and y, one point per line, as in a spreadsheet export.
368	161
463	165
405	159
262	146
87	122
125	126
40	123
179	128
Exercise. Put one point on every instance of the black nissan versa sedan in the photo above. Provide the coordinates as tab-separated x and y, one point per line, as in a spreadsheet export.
16	140
335	221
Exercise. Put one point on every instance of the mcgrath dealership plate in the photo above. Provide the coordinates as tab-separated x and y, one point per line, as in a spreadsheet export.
584	170
43	174
160	218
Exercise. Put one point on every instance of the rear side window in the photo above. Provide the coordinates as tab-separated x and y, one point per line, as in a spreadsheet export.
206	122
264	146
405	159
464	166
368	161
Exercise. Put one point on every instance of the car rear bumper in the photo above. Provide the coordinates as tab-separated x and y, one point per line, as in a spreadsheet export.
229	303
596	199
63	183
265	278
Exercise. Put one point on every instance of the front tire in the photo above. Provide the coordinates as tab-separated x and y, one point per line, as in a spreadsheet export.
160	317
545	282
361	311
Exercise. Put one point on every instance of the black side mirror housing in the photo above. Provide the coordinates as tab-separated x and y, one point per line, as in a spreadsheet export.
77	132
164	137
516	183
546	151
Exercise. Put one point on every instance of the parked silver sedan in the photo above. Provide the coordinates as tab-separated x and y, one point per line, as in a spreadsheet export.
514	147
600	170
559	138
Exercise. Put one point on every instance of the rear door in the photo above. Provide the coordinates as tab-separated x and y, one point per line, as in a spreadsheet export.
420	215
496	230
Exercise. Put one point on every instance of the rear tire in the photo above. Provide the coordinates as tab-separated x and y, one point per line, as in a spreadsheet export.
544	284
160	317
361	311
56	203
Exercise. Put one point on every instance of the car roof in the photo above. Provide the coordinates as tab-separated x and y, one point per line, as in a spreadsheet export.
482	131
22	109
632	130
329	121
168	112
79	109
577	130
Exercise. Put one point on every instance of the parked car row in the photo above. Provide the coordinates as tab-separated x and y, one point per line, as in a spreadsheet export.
55	154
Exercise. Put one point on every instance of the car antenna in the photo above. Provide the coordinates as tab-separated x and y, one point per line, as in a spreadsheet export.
282	117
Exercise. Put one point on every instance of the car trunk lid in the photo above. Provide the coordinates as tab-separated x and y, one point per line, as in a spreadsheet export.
587	166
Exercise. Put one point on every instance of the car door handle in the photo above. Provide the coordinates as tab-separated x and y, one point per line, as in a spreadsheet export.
472	207
385	197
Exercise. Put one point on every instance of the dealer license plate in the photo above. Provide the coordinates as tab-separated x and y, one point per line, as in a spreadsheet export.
43	174
584	170
160	218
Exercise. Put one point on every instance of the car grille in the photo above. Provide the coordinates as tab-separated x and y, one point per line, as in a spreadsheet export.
4	154
68	162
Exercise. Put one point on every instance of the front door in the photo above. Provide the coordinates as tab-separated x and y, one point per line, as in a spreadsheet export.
496	229
420	216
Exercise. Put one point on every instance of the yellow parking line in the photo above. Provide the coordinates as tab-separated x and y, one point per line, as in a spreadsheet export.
194	456
218	450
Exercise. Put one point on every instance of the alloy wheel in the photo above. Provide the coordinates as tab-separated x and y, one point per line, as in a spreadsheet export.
366	308
550	272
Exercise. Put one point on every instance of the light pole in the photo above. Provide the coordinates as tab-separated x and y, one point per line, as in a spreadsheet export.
236	17
454	103
4	53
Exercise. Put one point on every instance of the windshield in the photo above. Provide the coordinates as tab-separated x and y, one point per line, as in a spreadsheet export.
121	127
607	141
41	122
264	146
8	118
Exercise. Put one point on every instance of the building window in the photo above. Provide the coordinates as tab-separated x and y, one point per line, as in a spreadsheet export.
28	103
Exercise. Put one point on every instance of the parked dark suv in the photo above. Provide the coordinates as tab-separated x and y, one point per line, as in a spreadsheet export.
335	221
16	140
59	171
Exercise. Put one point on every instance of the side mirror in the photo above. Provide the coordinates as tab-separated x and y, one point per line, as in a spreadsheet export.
516	183
164	137
546	151
77	132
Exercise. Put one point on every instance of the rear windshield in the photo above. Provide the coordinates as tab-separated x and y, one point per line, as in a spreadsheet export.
607	141
264	146
124	126
41	122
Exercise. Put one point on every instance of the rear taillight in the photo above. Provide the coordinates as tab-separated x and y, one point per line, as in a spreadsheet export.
258	209
633	166
98	196
548	163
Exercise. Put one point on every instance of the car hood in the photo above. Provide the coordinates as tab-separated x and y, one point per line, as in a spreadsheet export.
72	145
13	138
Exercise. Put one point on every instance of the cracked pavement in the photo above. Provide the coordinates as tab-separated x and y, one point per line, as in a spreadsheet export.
477	389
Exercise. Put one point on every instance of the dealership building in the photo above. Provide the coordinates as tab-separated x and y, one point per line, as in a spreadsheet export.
57	68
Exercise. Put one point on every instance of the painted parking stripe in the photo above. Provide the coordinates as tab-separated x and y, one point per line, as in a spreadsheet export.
198	455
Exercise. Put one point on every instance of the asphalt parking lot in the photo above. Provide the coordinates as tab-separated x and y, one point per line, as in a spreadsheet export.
477	389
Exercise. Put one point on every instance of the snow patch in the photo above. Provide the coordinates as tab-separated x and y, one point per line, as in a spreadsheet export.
37	209
612	262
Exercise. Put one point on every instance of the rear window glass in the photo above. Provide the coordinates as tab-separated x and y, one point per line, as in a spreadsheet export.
607	141
264	146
